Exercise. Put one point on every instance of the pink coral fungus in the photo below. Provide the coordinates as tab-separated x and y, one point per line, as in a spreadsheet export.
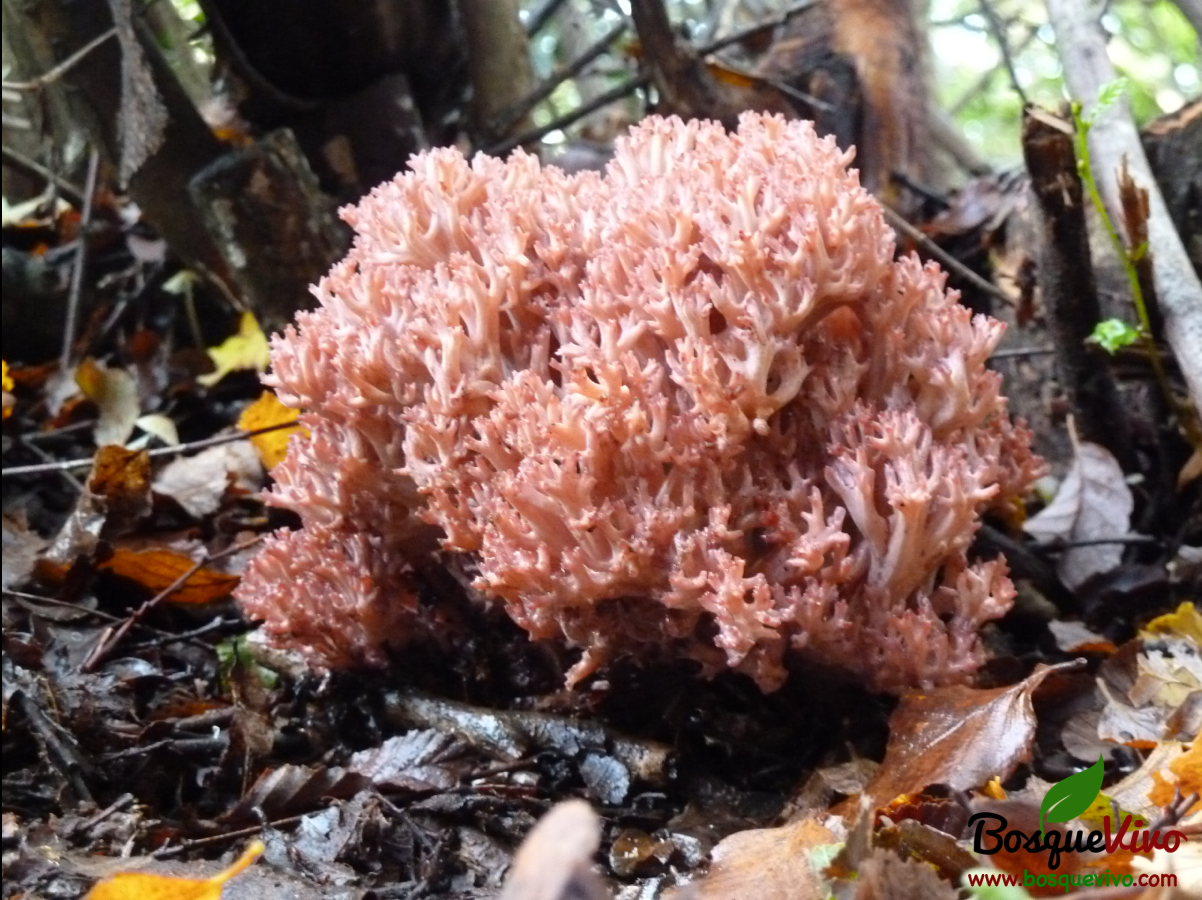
693	405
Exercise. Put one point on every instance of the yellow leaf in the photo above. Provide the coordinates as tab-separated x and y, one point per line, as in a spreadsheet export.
264	413
8	386
1185	622
993	789
140	886
115	393
245	350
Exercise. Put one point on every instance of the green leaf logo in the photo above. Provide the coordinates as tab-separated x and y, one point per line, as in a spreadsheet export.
1071	797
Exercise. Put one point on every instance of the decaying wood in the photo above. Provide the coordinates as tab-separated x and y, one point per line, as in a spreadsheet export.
1082	44
273	225
1069	288
1173	144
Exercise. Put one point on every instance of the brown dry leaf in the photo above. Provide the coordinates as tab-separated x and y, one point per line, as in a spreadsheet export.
1153	779
115	394
418	761
886	876
767	864
198	483
21	550
293	789
958	736
141	886
555	860
156	570
122	479
1152	691
115	499
263	413
1093	503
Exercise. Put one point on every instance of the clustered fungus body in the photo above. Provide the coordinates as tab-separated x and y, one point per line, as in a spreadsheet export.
693	405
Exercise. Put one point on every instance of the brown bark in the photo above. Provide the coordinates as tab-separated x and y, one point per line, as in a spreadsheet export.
499	65
1069	288
274	226
686	87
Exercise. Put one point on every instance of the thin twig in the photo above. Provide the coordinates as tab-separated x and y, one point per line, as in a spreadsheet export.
1022	351
189	636
73	482
641	81
44	468
35	169
613	95
62	68
558	77
163	852
985	77
81	258
541	16
113	636
933	249
163	636
1127	539
999	33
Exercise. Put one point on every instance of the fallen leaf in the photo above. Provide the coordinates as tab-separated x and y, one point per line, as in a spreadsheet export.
264	413
1181	775
1075	637
21	550
959	736
555	860
885	875
1093	503
1148	789
247	349
160	426
157	570
141	886
115	394
767	864
1185	621
115	499
293	789
1152	691
198	483
7	383
416	761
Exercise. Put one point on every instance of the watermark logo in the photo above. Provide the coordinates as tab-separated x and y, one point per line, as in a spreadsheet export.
1066	801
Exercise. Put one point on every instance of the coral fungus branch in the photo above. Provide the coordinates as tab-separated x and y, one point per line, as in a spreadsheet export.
691	406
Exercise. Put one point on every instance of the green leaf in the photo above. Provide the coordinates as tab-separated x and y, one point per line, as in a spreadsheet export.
1072	796
1108	95
1114	334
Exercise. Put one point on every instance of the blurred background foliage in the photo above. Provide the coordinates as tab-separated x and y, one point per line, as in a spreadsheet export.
1153	45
